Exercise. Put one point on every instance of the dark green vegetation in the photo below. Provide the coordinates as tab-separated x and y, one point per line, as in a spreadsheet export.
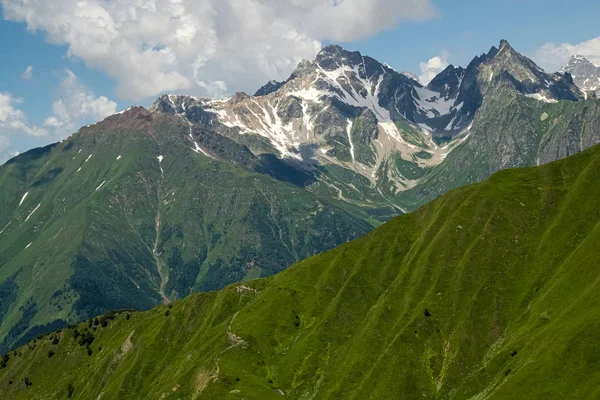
489	292
97	233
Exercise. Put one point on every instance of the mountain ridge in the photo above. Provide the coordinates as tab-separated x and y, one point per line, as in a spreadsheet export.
117	216
406	130
193	194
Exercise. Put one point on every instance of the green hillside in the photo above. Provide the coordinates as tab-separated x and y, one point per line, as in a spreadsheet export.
489	292
125	214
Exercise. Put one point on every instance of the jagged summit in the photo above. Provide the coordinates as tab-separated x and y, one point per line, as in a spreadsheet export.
358	112
332	49
579	57
509	67
269	87
410	75
504	45
354	112
585	74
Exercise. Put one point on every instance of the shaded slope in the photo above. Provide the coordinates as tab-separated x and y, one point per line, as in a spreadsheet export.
486	293
128	213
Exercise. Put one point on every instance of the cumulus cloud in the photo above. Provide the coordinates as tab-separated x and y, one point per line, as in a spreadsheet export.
13	122
5	150
434	66
552	57
209	47
75	104
28	73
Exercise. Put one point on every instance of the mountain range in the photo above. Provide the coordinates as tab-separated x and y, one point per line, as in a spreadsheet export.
193	194
489	292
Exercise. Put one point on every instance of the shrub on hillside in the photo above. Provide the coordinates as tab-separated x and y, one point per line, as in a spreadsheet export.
70	390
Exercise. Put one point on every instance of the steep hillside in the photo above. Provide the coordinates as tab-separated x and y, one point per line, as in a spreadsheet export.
489	292
134	211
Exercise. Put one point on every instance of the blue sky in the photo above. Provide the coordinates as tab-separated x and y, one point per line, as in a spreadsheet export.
469	27
76	83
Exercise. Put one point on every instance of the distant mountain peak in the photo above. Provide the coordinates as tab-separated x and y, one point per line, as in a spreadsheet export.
331	49
579	57
504	45
269	87
410	75
585	74
577	60
332	57
332	52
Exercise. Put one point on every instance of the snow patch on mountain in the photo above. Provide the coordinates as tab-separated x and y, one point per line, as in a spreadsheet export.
23	198
541	97
349	131
433	104
31	213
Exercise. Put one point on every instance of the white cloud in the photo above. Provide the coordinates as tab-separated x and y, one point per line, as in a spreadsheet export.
13	122
76	104
28	73
5	149
207	47
433	67
552	57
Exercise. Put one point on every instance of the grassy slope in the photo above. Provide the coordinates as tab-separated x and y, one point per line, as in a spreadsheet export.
91	247
489	292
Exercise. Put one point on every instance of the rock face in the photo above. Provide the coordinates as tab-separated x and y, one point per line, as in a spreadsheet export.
269	87
585	74
370	135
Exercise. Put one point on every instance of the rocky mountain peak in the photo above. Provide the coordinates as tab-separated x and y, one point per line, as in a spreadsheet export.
172	103
585	74
577	60
507	66
410	75
448	82
352	111
332	57
269	87
505	57
505	46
